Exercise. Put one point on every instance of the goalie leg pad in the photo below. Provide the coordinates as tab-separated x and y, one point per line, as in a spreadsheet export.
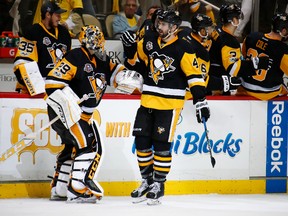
83	171
60	181
63	178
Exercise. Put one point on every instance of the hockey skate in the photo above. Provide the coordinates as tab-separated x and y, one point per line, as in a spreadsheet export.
95	188
56	197
138	194
75	197
155	194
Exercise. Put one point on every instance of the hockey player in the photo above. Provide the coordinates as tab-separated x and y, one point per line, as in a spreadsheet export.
168	65
83	71
202	28
129	38
225	52
40	49
149	23
267	84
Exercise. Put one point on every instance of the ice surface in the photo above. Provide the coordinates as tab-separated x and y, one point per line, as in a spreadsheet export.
193	205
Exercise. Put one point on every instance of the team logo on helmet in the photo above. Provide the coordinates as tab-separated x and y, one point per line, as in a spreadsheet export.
200	21
279	21
170	16
228	12
160	65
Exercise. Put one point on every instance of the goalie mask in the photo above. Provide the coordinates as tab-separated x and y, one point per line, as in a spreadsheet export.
93	39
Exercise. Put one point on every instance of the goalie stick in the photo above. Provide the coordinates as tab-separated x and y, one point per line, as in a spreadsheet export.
29	138
213	161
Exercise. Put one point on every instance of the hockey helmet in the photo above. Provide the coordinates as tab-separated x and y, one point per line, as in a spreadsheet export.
279	21
228	12
93	39
155	14
154	17
200	21
170	16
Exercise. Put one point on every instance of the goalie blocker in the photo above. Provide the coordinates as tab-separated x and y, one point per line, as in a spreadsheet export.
32	78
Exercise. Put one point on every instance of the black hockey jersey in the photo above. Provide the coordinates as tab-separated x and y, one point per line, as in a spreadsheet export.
212	82
225	56
85	74
266	84
43	46
144	28
167	70
200	51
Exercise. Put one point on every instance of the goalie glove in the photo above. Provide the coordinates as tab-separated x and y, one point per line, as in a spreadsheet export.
128	38
129	82
230	83
202	110
65	104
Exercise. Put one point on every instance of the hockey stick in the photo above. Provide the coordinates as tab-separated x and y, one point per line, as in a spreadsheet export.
29	138
213	161
208	3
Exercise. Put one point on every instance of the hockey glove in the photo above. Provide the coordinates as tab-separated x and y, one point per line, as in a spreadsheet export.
263	62
129	82
230	83
202	110
128	38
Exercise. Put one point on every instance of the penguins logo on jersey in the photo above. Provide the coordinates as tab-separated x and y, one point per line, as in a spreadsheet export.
160	65
56	52
98	83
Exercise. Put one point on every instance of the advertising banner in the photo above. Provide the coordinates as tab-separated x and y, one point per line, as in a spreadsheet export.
229	130
276	166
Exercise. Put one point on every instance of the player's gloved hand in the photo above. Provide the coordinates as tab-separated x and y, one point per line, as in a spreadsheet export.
128	38
202	110
230	83
263	62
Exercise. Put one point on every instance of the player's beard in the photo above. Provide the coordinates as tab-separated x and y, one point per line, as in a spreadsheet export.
162	34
